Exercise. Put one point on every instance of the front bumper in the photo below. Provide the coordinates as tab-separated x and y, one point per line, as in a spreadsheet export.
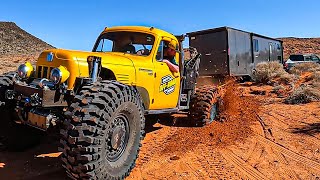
34	96
37	107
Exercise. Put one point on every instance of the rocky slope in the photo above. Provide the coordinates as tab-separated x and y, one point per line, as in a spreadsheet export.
17	46
16	41
300	45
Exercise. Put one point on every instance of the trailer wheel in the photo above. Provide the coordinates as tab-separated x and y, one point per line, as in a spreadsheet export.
204	106
102	134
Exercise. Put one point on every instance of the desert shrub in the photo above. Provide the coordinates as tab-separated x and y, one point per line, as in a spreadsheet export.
316	76
316	84
277	88
266	72
305	67
303	94
314	79
286	78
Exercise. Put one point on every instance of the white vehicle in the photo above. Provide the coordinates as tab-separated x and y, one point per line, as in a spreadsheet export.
295	59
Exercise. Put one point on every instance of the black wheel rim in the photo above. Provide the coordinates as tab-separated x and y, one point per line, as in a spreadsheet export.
117	138
213	112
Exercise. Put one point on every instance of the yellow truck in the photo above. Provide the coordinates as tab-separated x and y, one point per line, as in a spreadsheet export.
99	99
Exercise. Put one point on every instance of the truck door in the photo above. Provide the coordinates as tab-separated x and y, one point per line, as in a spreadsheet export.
167	84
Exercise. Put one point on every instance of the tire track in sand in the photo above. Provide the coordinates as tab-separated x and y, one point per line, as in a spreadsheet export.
282	159
290	154
247	170
215	165
268	136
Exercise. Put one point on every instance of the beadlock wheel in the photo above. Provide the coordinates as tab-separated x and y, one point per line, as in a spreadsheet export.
118	138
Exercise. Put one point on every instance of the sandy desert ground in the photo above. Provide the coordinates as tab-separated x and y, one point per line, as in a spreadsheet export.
260	138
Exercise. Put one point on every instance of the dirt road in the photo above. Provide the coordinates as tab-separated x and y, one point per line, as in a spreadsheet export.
265	140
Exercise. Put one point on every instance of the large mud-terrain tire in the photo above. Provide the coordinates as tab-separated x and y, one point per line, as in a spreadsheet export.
203	106
103	130
18	137
5	108
6	82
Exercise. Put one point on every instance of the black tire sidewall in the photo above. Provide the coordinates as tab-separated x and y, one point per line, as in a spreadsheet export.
132	112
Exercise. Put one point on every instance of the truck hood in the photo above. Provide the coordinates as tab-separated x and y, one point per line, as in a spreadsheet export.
81	57
76	61
107	57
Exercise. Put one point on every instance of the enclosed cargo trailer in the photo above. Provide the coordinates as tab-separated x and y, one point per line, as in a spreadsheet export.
228	51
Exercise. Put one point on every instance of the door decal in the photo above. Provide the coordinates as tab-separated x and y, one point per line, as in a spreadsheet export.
168	84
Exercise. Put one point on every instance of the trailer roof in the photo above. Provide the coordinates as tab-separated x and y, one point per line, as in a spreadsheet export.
225	28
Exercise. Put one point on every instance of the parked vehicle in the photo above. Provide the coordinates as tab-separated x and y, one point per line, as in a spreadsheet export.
295	59
229	51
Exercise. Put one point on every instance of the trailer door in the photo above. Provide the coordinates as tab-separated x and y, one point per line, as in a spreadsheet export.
270	52
240	58
256	50
213	47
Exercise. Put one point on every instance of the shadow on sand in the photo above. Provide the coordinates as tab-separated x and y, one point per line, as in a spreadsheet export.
40	159
309	129
36	158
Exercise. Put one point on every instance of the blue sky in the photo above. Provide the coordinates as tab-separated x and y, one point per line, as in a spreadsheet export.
75	24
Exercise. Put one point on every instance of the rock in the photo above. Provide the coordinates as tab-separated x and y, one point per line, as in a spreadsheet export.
174	157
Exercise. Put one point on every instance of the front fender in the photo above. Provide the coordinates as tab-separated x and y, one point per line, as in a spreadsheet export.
74	61
122	67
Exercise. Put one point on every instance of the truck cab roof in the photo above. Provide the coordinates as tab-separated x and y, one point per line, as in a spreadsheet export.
145	29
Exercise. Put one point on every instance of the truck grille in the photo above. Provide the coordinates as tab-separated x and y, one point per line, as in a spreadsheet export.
44	72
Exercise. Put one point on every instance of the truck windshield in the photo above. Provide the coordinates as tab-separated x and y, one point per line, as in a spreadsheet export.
296	58
126	42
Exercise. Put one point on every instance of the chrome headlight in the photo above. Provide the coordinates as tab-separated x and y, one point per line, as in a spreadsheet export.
56	75
25	70
59	75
